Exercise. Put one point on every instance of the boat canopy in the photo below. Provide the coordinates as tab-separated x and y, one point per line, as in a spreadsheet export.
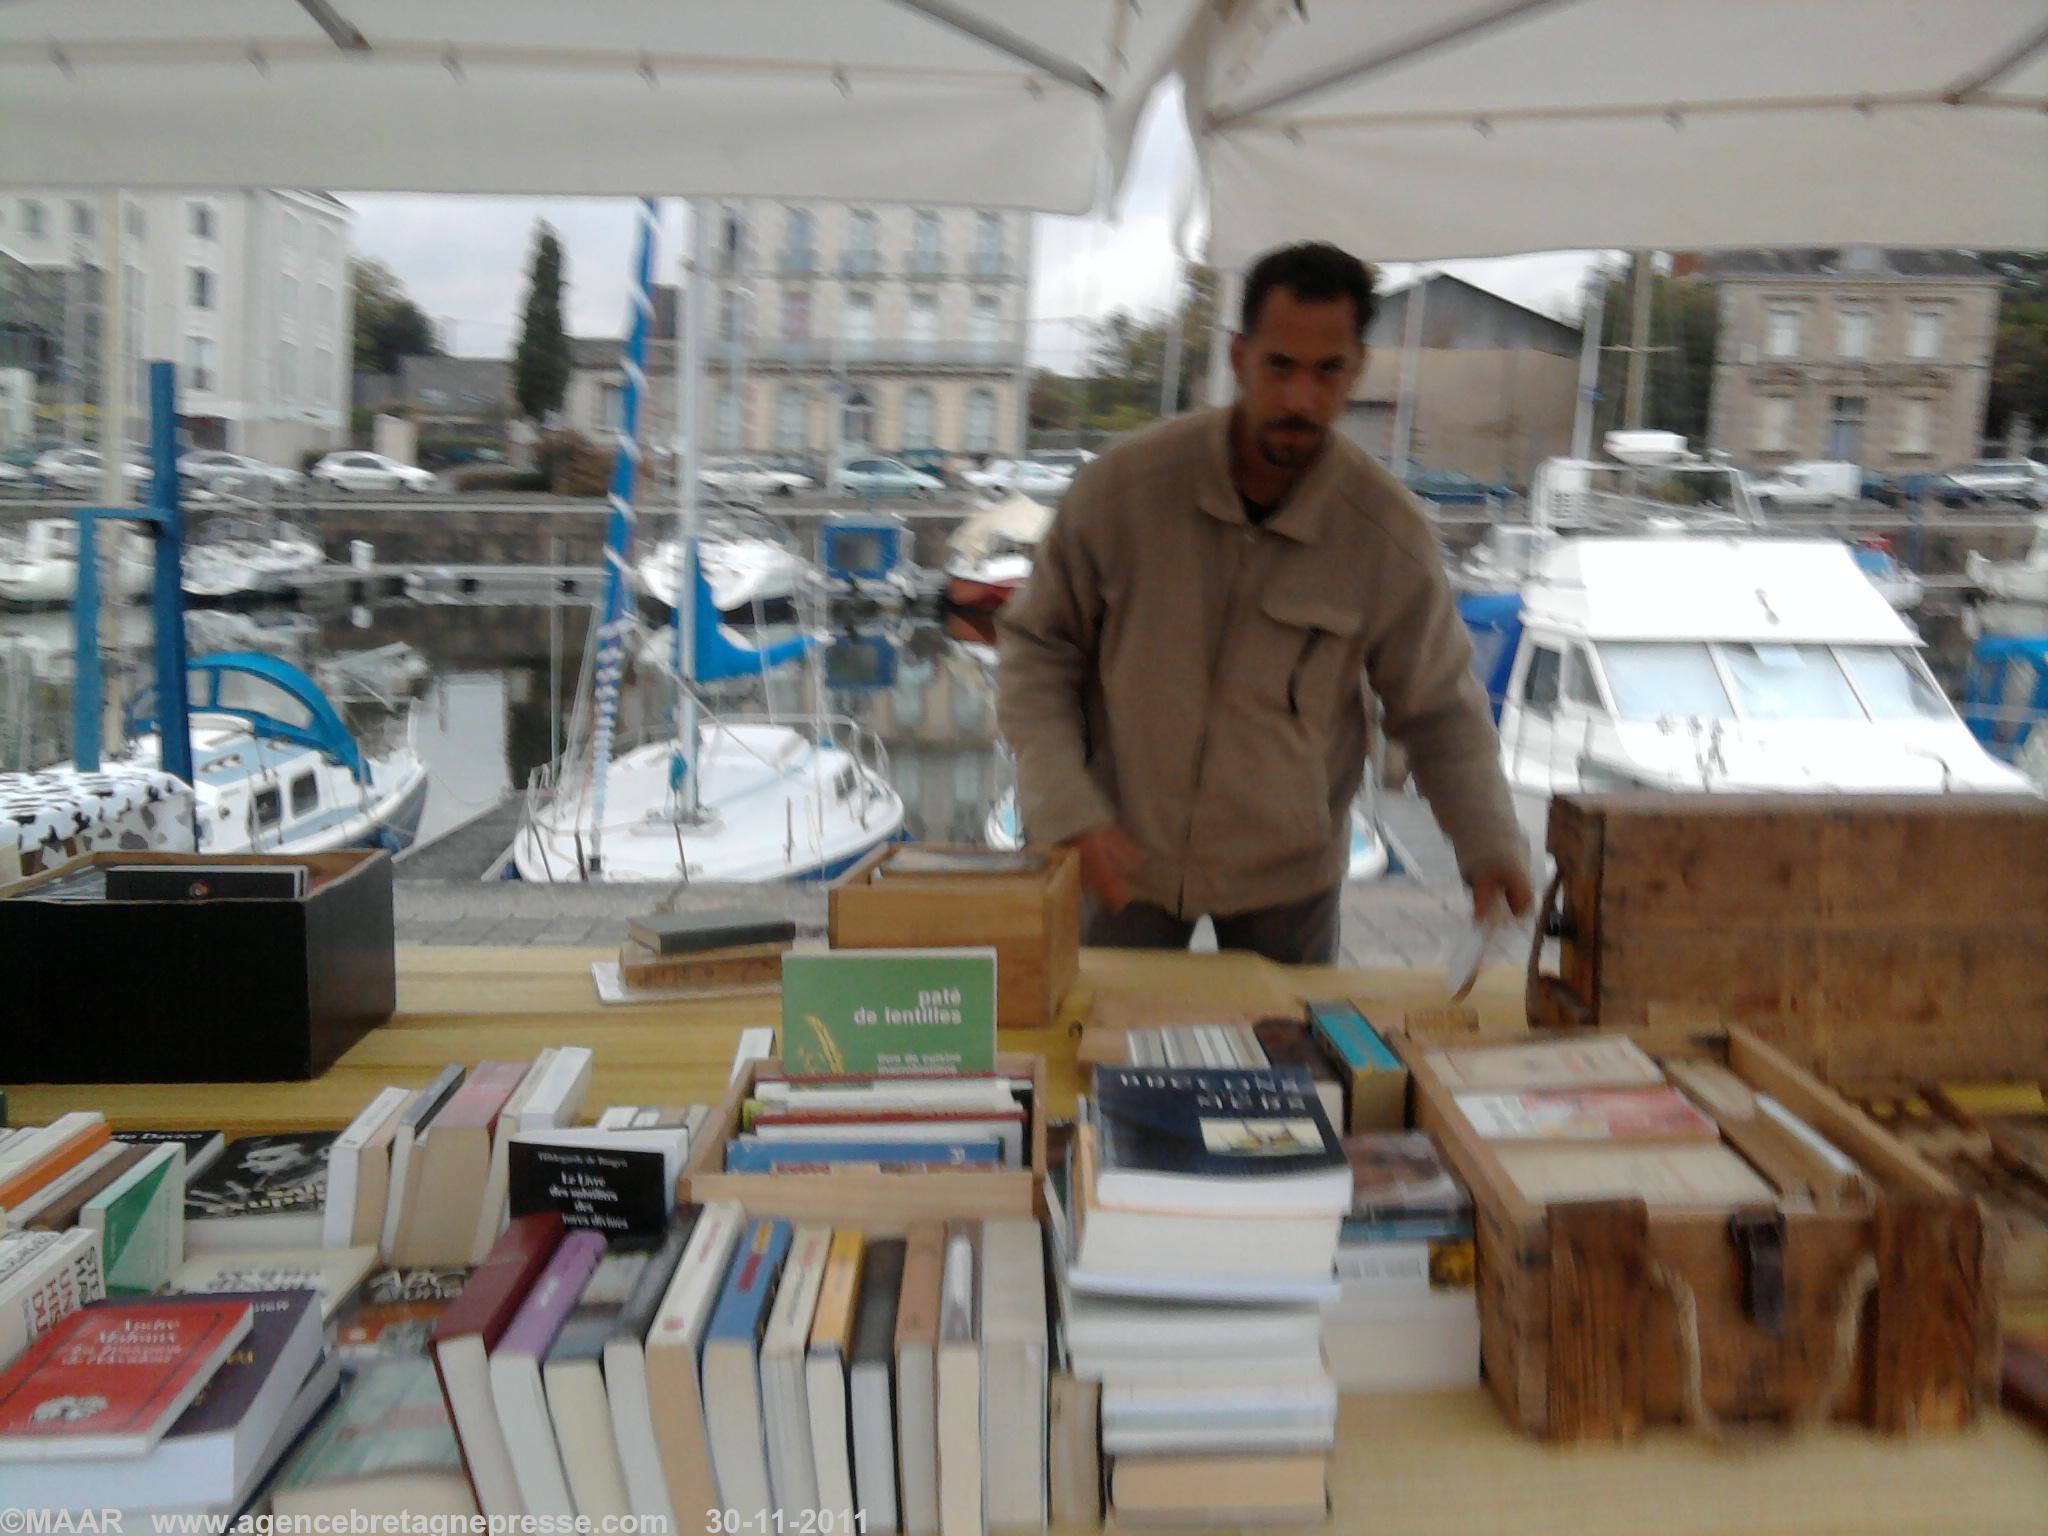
273	698
2007	694
1494	621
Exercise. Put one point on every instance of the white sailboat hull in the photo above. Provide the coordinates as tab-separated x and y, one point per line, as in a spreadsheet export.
776	807
745	575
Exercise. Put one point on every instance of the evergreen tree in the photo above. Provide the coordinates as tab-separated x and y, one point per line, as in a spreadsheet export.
540	364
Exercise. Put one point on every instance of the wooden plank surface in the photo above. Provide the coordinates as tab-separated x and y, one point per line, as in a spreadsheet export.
1599	1309
1925	1354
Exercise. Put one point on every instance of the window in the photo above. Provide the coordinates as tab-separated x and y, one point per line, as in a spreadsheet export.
1539	684
917	418
857	420
199	288
1774	423
988	244
326	245
1923	335
322	392
796	313
305	795
201	362
82	222
1893	682
612	409
861	241
730	317
269	807
330	311
288	299
1852	333
1845	427
1790	682
291	232
986	327
1916	426
287	370
199	220
728	425
792	419
981	421
1579	686
1781	336
924	243
860	324
796	241
138	226
32	218
924	324
1658	680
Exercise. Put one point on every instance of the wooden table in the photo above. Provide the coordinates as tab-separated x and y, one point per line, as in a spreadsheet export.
1440	1464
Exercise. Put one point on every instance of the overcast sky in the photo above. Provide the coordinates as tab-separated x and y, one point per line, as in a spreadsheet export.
464	258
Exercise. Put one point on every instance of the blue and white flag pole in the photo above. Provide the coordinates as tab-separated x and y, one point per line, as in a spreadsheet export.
610	666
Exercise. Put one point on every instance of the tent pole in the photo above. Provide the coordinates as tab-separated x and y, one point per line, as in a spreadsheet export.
1592	316
1638	343
1411	368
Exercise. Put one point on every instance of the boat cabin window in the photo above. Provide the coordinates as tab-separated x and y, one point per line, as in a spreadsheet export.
1579	685
1790	682
305	795
1656	680
1539	683
1893	682
269	806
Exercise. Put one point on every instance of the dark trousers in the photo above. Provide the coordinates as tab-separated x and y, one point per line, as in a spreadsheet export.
1299	933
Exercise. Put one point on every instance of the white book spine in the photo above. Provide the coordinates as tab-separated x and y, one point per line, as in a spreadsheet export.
557	1099
344	1167
57	1282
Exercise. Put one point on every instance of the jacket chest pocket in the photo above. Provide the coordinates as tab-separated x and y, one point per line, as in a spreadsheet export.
1315	643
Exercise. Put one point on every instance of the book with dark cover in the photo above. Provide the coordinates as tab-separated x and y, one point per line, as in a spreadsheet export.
1401	1177
1212	1124
683	933
874	1328
277	1319
590	1322
871	1398
201	1147
638	1313
394	1314
205	882
263	1176
66	1211
497	1286
622	1192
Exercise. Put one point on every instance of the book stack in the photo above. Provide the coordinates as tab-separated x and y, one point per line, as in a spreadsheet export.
893	1124
174	1404
1407	1315
790	1371
696	954
73	1175
1206	1210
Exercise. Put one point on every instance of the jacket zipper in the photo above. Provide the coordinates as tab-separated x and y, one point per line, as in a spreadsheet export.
1216	655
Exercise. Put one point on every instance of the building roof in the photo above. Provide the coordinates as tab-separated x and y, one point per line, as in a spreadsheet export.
1458	313
1848	261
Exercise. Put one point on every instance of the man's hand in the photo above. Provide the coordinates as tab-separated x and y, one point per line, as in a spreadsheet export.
1108	859
1503	881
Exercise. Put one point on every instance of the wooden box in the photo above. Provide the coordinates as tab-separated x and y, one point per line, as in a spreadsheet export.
1871	938
1033	918
1601	1317
879	1202
226	991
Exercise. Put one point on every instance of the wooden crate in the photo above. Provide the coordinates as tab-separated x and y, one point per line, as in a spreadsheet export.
1033	919
1583	1305
881	1203
1872	938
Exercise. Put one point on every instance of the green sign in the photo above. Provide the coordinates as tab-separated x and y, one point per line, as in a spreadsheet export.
852	1012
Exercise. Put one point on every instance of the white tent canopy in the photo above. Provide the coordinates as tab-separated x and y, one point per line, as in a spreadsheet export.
949	101
1425	129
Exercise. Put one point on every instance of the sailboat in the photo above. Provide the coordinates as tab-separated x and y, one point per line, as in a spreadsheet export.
718	798
753	574
41	566
248	557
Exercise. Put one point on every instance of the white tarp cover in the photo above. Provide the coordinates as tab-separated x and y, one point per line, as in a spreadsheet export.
1028	104
1423	129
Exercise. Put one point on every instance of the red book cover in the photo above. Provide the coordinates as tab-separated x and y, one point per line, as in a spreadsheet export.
482	1094
108	1381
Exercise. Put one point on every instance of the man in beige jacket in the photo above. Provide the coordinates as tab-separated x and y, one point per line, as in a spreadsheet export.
1185	678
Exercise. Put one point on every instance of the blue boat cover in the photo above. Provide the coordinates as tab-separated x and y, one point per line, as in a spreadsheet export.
1494	620
2000	668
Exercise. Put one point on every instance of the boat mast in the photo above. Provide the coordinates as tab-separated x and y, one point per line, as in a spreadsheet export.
610	665
690	395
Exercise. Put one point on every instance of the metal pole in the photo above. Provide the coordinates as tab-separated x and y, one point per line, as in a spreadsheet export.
1169	367
609	667
1591	319
1229	289
74	345
688	456
1411	360
1639	343
173	708
86	690
114	374
1023	335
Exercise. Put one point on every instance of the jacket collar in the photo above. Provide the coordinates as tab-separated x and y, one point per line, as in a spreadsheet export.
1301	513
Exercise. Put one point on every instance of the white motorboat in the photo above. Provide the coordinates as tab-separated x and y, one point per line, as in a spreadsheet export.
41	565
248	558
989	556
752	577
1716	663
276	769
2023	581
1897	585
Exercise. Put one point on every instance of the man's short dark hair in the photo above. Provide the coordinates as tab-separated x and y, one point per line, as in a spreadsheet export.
1313	272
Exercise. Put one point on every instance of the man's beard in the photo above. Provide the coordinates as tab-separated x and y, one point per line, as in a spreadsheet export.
1285	453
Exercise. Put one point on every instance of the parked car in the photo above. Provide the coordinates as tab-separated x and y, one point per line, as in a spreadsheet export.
750	477
12	475
1454	488
1943	490
886	477
1876	487
2022	480
1809	483
1027	475
78	469
1072	460
355	470
214	469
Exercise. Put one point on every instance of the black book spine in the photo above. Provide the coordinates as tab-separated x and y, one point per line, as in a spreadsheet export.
881	1283
637	1316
